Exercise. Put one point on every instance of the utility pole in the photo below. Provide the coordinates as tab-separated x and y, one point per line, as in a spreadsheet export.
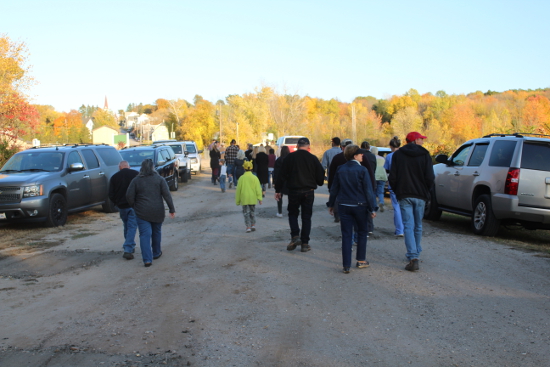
221	139
353	124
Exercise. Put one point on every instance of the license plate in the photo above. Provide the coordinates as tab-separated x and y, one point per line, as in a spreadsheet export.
2	215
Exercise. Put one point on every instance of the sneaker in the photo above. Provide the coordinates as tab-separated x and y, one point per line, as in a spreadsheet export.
147	264
279	215
157	257
128	256
230	184
223	190
412	265
360	265
336	220
400	235
346	270
382	208
295	241
248	230
253	228
305	247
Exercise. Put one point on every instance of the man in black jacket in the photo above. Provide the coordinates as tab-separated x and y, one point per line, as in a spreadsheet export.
411	178
117	193
301	173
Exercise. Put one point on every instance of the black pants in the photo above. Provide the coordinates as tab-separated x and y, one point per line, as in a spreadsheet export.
280	205
297	201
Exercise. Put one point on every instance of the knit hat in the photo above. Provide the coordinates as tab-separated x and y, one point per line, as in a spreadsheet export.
247	165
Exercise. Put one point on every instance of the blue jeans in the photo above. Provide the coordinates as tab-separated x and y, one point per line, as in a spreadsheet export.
149	235
230	172
222	182
380	191
128	217
350	217
397	220
297	200
412	211
269	176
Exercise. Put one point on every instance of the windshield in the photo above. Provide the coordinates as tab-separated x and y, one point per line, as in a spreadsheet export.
35	161
135	157
177	148
191	148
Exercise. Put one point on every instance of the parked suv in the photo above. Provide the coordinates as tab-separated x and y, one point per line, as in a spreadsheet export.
45	184
194	155
184	165
289	140
497	179
163	158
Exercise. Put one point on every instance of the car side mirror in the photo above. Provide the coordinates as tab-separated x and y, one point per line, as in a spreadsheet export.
186	154
76	167
160	163
442	158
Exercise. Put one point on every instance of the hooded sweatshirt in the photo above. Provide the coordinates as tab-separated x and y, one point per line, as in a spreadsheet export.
411	172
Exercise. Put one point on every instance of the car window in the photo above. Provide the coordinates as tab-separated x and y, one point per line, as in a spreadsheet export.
170	153
535	156
91	159
74	157
109	156
163	156
459	157
177	148
478	154
291	141
502	153
191	148
135	157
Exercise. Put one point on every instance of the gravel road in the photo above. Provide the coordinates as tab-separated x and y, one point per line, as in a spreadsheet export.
222	297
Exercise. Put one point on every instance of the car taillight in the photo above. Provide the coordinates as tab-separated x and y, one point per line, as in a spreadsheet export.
512	182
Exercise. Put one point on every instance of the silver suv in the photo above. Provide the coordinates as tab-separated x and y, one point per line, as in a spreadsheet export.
497	179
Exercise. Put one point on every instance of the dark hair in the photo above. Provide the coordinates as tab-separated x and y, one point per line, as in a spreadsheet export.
271	151
350	151
365	145
336	141
147	168
395	142
284	151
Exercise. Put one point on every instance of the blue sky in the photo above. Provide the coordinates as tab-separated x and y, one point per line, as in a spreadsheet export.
138	51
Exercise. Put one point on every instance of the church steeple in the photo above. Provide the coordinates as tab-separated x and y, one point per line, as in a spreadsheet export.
106	106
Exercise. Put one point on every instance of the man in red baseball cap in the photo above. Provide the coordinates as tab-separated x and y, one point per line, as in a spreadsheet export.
411	178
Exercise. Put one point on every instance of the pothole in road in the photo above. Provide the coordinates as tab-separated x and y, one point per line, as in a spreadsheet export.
51	263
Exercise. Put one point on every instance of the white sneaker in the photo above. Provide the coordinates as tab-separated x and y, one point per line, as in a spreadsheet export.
248	230
279	215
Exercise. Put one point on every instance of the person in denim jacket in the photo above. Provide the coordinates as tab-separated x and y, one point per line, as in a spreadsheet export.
356	201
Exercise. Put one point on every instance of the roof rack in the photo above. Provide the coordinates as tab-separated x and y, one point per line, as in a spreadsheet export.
517	135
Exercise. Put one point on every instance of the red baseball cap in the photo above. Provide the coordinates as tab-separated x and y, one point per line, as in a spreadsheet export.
412	136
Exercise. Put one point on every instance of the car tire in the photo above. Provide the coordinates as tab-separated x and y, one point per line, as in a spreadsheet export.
431	210
57	211
189	173
109	207
174	186
184	177
484	222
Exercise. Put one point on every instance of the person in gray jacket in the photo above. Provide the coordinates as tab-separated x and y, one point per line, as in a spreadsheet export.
145	195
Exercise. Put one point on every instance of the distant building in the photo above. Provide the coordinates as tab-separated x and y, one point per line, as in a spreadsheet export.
104	135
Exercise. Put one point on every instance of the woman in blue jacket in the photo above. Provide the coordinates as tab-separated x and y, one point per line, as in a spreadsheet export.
356	200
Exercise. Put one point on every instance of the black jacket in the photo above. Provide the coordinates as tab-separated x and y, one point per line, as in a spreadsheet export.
119	185
411	172
301	171
276	171
260	165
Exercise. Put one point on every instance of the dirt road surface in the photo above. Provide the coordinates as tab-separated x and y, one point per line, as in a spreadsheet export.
222	297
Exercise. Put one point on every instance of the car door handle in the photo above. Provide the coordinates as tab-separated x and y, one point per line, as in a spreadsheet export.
86	176
457	173
102	173
476	173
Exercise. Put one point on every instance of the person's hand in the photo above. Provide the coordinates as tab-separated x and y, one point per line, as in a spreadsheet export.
278	196
259	201
172	215
373	215
331	211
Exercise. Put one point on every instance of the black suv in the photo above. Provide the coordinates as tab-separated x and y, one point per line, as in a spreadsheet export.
163	158
46	183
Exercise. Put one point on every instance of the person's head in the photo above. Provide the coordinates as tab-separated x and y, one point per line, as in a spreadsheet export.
267	148
365	145
345	143
240	154
271	151
284	151
215	145
395	143
415	138
222	162
147	168
261	149
233	142
250	146
374	150
254	152
303	144
336	141
248	166
123	164
353	151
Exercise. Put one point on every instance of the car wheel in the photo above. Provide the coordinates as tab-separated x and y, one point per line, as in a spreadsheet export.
189	173
184	177
174	186
431	210
109	206
484	222
57	212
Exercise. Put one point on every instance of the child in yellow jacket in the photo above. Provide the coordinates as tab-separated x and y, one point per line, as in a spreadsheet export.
249	192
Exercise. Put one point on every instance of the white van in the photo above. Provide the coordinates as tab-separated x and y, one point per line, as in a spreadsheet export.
290	141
